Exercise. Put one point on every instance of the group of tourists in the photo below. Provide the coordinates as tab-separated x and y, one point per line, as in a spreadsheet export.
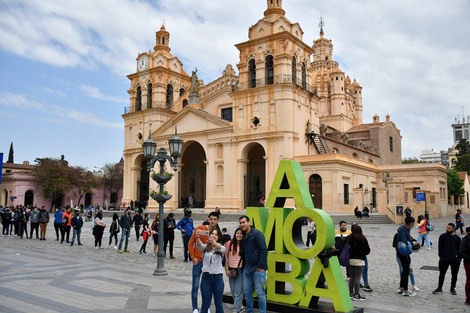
15	221
241	257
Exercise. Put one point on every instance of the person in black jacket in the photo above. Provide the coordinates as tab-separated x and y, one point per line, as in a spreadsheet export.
448	251
137	220
464	253
126	224
169	233
359	249
77	223
6	220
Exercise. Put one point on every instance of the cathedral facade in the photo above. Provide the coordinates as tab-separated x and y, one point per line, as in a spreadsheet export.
289	100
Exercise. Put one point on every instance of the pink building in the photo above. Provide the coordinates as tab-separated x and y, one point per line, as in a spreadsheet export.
18	188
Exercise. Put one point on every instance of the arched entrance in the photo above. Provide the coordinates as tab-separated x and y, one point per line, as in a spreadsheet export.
4	202
87	199
28	198
143	186
192	190
255	178
315	187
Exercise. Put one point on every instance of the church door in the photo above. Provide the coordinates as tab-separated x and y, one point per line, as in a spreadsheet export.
192	180
255	178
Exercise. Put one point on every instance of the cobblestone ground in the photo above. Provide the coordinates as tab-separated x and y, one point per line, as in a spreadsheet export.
171	293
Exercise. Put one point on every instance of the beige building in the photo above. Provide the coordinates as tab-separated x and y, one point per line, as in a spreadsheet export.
290	100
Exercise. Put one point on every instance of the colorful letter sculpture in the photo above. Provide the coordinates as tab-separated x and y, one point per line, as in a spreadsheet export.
282	230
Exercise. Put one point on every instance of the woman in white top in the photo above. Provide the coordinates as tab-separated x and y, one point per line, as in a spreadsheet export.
212	282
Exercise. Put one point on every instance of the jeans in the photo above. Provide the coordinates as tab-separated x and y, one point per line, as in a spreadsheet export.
459	225
255	281
236	288
111	236
412	276
197	270
365	274
355	279
34	226
124	234
212	284
6	228
426	237
76	232
454	267
185	246
405	263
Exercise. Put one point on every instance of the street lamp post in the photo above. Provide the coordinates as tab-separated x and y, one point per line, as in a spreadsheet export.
149	147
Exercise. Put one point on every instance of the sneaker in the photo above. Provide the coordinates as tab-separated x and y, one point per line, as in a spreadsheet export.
97	247
78	244
126	250
367	288
71	244
415	288
144	252
467	302
355	298
172	257
360	298
115	247
409	293
352	296
119	251
140	252
195	311
361	286
453	292
437	291
400	290
154	254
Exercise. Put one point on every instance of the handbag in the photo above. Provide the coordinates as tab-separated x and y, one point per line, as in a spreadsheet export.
233	271
65	220
345	254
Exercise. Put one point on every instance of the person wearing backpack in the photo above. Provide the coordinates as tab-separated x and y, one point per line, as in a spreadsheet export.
400	268
359	250
403	237
423	231
114	231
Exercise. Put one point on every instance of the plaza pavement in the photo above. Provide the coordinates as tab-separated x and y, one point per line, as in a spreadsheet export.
46	276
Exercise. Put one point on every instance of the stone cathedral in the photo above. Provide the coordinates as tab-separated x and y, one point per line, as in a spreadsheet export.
290	100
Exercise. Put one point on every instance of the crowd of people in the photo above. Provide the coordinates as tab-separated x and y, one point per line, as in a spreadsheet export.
243	256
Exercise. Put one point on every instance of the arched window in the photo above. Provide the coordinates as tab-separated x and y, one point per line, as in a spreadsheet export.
304	76
29	197
149	96
169	96
185	102
163	40
269	70
138	99
251	74
182	91
294	70
316	190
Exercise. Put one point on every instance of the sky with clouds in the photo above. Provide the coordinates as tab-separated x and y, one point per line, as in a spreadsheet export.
63	64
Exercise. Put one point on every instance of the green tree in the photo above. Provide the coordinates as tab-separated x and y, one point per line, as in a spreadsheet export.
463	163
463	146
454	184
83	181
53	177
114	175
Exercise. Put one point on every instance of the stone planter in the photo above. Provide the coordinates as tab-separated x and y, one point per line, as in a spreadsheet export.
161	179
161	198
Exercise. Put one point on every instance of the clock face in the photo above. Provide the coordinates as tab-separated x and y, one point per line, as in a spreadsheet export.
143	62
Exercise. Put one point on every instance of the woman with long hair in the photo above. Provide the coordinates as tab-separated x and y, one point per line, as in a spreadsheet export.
145	233
155	233
357	260
98	229
423	231
114	231
212	282
234	268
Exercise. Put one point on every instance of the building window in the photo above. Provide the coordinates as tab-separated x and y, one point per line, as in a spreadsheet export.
185	102
149	96
138	99
182	91
169	96
294	70
346	193
391	144
432	199
227	114
304	76
415	191
251	74
269	70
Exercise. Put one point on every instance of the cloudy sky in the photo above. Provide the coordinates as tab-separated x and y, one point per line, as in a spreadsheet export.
63	64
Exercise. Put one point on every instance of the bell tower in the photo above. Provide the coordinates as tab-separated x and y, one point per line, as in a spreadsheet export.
162	40
274	7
